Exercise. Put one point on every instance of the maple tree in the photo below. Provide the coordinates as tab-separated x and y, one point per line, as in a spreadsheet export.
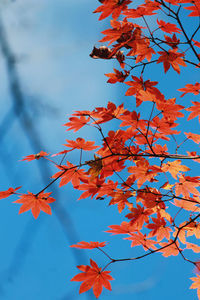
143	165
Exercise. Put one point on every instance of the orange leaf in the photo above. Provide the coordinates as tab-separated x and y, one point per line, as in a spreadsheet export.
143	171
193	136
124	228
77	122
168	27
80	143
174	168
36	203
113	7
196	284
35	156
169	250
138	216
117	76
190	88
69	173
195	110
159	229
93	277
139	239
195	8
187	185
10	191
171	58
193	247
90	245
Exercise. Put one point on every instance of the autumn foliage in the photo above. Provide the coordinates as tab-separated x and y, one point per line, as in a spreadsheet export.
144	165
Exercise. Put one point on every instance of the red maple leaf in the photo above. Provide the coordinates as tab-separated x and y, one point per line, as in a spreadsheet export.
123	228
196	43
10	191
120	198
195	8
150	198
120	32
90	245
69	173
143	171
171	58
139	239
190	88
164	125
146	9
138	216
193	136
75	123
93	277
91	187
169	108
80	143
195	110
113	7
143	50
174	168
117	76
36	203
196	284
187	185
138	86
172	249
168	27
159	229
172	42
195	248
35	156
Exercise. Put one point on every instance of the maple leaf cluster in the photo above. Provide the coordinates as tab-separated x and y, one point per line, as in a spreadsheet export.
141	166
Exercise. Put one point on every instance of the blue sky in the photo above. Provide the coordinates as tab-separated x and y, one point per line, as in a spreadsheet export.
52	41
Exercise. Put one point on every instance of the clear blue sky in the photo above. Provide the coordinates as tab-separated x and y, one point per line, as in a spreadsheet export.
52	41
